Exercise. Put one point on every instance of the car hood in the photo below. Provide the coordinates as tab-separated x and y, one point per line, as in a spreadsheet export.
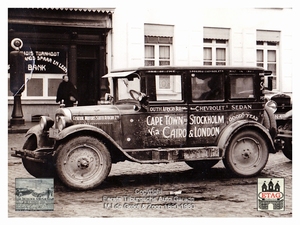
97	110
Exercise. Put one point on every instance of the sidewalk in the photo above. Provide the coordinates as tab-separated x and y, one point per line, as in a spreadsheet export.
21	128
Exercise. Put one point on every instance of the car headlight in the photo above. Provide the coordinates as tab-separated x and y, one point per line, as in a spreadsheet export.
62	122
272	105
46	122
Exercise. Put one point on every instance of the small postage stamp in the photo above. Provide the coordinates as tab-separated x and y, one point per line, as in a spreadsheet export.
32	194
270	194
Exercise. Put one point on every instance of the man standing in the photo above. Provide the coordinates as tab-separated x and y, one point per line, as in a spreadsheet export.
66	92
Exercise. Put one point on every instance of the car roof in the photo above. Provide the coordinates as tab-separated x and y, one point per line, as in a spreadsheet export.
145	68
126	71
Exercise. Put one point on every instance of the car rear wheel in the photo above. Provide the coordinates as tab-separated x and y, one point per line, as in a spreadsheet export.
83	162
246	154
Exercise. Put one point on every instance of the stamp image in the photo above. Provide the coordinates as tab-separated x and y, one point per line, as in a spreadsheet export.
34	194
270	193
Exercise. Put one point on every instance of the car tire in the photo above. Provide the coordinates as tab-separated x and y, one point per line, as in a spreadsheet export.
246	154
287	150
269	122
83	162
37	169
202	165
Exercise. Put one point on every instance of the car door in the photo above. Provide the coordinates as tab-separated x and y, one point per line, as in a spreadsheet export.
166	116
207	107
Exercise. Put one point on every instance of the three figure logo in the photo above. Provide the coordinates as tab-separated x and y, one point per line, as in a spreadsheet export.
270	193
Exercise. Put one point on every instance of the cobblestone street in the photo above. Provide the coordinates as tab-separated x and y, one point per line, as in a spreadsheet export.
215	194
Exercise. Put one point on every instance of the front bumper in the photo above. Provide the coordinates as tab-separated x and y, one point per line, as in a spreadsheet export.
41	155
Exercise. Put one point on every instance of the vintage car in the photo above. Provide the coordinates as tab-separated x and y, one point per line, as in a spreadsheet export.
23	191
197	115
281	105
284	137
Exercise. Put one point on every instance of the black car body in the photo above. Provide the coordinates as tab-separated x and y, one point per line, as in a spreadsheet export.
199	115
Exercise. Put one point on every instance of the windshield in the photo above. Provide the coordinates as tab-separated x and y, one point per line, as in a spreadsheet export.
124	85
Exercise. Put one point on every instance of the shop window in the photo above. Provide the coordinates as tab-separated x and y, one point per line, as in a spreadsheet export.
38	86
44	69
53	86
35	87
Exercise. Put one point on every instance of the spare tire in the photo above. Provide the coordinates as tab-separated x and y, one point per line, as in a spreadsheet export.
270	122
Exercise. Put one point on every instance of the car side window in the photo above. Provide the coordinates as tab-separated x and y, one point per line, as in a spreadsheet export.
241	87
124	85
168	87
207	87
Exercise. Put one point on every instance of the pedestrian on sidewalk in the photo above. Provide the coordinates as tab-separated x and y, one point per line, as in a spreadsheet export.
66	92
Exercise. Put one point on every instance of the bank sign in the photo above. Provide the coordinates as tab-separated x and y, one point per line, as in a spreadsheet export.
45	61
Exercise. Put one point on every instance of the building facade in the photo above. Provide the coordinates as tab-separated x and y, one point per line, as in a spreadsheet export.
87	43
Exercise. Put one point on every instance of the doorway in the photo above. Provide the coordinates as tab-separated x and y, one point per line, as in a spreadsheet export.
87	82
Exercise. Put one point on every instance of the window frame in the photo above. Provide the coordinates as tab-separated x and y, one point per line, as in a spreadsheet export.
214	45
173	91
156	58
45	80
247	99
222	78
265	47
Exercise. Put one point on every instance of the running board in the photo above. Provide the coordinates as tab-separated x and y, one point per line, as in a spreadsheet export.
161	155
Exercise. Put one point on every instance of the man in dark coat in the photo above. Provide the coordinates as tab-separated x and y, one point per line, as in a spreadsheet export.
67	92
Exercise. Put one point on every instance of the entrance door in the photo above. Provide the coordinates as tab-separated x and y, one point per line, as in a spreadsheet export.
87	82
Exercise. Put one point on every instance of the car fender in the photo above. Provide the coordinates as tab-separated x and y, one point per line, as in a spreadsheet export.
77	128
36	131
89	129
232	129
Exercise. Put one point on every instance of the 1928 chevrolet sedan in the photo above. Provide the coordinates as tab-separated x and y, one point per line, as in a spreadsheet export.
199	115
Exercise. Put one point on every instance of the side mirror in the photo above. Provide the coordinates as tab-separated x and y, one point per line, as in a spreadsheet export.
268	80
269	83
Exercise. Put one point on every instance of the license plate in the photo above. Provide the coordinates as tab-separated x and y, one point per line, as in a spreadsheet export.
278	116
202	154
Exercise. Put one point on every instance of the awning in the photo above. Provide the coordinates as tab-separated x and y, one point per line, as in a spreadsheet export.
98	10
216	33
268	35
118	74
158	30
97	18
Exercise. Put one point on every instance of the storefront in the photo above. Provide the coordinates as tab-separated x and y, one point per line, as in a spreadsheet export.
57	42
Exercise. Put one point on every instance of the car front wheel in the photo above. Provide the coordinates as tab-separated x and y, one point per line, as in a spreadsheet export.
83	163
246	154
